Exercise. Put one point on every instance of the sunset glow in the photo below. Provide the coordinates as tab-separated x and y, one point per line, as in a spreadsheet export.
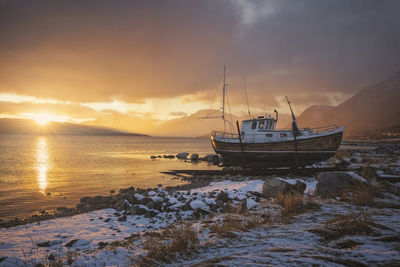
44	118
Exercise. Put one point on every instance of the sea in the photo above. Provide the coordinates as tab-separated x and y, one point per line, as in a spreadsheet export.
46	172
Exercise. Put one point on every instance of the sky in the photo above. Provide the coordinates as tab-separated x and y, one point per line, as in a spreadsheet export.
134	65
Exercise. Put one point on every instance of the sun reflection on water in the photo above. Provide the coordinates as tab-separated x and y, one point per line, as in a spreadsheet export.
42	163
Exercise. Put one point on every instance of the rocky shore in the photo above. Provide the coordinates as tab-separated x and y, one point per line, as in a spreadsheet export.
213	219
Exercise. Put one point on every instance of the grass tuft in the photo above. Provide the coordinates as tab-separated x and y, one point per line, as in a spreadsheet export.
343	225
238	223
181	240
294	204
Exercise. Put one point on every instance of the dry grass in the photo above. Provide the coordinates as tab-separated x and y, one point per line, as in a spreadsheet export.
368	173
364	197
181	240
237	223
351	224
294	204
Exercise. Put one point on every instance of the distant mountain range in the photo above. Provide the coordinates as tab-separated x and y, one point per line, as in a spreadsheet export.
372	110
24	126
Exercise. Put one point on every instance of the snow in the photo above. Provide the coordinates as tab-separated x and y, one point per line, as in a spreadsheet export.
251	203
157	199
198	204
228	185
357	177
274	243
139	197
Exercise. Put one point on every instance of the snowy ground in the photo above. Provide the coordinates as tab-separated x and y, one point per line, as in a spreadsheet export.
107	238
273	243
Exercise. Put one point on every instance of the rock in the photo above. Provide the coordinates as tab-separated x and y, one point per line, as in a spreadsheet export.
151	213
102	244
82	206
146	200
196	204
138	210
182	155
335	184
71	243
151	205
300	187
273	187
199	212
86	200
194	157
169	156
44	244
153	157
223	196
120	205
62	208
132	199
212	158
122	218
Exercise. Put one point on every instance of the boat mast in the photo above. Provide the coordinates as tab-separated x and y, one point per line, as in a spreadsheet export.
223	99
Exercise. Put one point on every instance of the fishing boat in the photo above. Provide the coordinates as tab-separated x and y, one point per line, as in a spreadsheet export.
258	144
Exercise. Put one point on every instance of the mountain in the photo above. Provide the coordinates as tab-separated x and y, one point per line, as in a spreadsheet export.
24	126
372	109
125	122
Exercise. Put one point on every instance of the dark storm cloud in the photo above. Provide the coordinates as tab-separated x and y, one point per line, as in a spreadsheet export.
132	50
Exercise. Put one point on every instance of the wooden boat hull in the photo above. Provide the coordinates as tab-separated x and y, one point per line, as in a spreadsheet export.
290	153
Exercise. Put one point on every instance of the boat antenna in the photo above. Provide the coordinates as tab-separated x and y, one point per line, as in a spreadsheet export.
247	99
295	126
230	113
265	109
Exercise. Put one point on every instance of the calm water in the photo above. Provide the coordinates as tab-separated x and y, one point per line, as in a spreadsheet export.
38	172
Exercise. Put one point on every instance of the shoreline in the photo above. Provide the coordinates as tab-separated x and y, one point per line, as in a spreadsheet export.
194	181
220	218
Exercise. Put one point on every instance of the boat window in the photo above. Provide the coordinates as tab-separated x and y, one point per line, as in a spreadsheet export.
261	125
267	127
254	125
283	134
268	135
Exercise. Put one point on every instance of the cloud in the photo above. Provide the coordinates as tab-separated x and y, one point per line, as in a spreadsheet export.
132	51
251	11
73	111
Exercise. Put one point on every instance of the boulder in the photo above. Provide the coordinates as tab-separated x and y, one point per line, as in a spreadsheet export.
151	213
182	155
212	158
223	196
300	187
335	184
273	187
194	157
151	205
138	210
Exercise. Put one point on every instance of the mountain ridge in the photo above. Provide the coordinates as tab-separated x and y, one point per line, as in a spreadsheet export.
27	126
373	108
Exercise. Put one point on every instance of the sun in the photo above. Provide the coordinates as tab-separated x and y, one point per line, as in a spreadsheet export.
44	118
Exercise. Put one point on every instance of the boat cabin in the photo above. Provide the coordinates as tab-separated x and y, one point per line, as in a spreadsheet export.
261	127
258	124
